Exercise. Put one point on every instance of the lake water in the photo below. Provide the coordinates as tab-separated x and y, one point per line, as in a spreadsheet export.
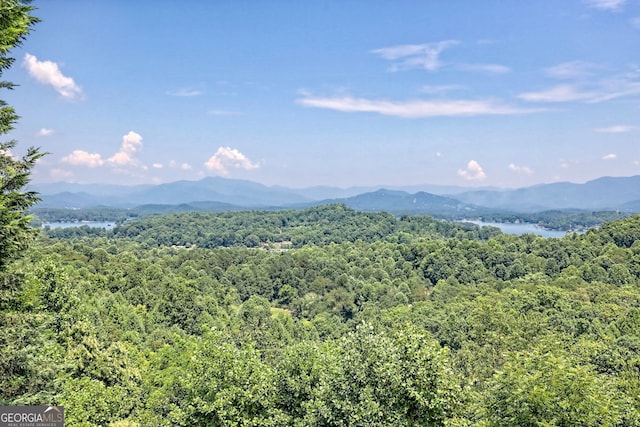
94	224
522	228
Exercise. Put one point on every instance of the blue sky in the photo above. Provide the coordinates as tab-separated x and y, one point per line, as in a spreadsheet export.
340	93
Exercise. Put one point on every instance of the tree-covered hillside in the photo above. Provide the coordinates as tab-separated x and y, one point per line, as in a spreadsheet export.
363	320
296	228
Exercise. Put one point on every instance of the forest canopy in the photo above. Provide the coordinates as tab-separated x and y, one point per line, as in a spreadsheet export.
401	321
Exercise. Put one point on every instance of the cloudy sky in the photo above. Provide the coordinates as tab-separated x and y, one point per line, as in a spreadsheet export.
341	93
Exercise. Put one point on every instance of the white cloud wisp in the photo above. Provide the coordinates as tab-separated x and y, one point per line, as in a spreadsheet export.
484	68
414	108
185	92
520	169
409	56
610	5
601	90
561	93
615	129
571	70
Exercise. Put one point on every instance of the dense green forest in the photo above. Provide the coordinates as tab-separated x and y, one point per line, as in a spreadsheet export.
360	319
294	228
562	220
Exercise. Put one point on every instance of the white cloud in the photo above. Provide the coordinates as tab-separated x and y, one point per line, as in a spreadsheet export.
414	108
425	56
226	158
84	158
473	171
617	87
610	156
121	158
520	169
131	143
48	73
605	89
611	5
157	166
45	132
566	164
176	165
485	68
185	92
615	129
570	70
561	93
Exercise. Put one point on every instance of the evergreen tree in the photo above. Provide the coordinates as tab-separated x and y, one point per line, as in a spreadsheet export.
15	23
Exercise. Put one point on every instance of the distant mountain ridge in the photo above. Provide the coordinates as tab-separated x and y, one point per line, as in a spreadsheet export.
607	193
399	202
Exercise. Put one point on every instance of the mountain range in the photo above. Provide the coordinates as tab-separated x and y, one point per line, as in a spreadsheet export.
217	193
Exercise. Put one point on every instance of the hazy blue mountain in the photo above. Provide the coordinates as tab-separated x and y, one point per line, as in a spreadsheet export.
399	202
93	189
600	194
440	190
326	192
211	189
633	206
69	200
236	192
187	207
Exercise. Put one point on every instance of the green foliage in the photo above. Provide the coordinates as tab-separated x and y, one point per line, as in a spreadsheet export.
547	386
29	352
15	23
623	233
565	220
295	228
431	325
373	379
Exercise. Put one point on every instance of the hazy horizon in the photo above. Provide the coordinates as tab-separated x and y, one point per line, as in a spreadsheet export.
339	94
293	187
